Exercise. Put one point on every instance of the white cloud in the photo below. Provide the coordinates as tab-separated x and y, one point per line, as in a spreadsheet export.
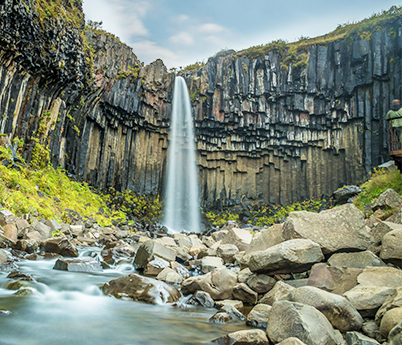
150	51
183	18
211	28
182	38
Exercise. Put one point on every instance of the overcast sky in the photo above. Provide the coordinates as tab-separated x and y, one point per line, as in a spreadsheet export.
181	32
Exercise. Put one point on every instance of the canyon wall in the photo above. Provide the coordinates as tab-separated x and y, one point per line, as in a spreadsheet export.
266	131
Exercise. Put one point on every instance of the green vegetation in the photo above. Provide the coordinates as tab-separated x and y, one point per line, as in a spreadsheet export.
379	182
43	190
131	71
264	215
297	52
194	66
68	10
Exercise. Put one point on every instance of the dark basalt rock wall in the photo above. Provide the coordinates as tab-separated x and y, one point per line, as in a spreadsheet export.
264	132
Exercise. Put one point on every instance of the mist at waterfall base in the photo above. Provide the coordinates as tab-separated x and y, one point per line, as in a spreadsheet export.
182	208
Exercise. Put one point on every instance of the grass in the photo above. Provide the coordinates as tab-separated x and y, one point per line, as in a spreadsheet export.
379	182
46	191
264	215
297	52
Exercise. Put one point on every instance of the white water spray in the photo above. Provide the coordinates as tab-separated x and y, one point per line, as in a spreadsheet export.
182	210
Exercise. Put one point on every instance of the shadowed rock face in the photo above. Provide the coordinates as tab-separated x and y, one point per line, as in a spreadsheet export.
264	133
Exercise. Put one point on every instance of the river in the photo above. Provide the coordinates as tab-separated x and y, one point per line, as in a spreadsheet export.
69	308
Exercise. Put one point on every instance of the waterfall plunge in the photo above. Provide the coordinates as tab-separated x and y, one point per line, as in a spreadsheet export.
182	210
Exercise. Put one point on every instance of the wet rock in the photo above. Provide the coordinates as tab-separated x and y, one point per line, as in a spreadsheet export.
151	249
356	338
237	304
239	237
25	291
249	337
390	319
356	260
29	246
219	284
226	314
279	290
290	319
4	312
243	293
180	269
388	199
260	283
156	266
20	276
367	299
258	316
202	298
138	288
117	251
338	310
291	256
84	264
59	245
340	228
170	276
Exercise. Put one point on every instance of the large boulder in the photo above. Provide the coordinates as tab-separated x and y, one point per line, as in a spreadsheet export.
258	316
226	314
116	252
388	199
148	250
248	337
227	252
291	256
367	299
390	319
381	276
356	260
333	279
338	310
340	228
137	288
84	264
202	298
170	276
6	217
241	238
219	284
59	245
289	319
266	238
391	250
10	231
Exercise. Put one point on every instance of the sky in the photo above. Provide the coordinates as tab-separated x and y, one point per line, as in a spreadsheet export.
182	32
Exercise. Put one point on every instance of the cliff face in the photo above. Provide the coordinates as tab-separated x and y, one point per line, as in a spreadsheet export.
265	131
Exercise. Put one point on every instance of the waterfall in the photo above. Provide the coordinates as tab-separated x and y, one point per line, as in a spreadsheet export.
182	209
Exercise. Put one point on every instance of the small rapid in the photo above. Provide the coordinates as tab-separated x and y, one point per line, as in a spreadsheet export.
67	308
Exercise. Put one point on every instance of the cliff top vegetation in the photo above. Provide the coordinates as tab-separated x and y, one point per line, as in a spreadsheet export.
364	29
68	10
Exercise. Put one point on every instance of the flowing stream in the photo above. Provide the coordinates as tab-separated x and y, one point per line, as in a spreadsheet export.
69	308
182	208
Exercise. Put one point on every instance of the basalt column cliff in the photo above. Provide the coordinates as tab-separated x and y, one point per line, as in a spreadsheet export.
275	127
